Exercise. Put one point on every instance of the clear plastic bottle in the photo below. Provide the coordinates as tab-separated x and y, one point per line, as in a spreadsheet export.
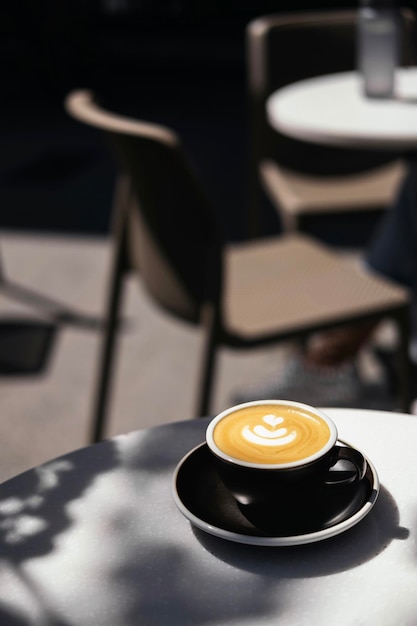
378	46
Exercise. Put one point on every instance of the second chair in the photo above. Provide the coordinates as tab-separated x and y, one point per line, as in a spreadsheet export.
303	180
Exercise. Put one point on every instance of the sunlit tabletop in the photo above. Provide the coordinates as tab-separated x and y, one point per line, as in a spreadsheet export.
332	109
94	538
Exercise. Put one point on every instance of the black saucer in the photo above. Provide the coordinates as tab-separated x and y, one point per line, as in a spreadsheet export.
205	502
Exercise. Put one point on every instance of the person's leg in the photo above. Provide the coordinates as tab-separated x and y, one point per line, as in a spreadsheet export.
332	348
393	254
393	249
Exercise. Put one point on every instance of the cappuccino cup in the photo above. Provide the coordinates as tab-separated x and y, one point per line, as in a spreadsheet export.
277	457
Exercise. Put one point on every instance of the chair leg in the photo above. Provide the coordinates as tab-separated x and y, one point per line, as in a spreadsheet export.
106	363
106	357
114	299
207	366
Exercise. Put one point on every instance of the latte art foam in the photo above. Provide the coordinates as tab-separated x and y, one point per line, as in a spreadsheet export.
271	434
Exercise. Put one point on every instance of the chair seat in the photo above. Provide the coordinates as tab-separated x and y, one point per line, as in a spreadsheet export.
295	193
244	295
277	286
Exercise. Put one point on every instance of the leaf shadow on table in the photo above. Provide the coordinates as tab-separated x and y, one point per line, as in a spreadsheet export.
34	512
33	505
345	551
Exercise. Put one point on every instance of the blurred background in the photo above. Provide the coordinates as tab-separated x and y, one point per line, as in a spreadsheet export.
174	61
178	62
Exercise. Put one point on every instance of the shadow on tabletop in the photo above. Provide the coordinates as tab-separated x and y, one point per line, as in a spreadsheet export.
9	618
337	554
34	512
33	505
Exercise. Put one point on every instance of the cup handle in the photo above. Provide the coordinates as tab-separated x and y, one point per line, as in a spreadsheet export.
355	458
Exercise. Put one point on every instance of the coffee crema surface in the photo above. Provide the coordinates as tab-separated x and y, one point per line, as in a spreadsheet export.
271	434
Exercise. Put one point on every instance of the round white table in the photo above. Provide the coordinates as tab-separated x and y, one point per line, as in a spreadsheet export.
95	538
332	110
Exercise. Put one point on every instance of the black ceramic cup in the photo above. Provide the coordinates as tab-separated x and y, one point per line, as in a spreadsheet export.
278	457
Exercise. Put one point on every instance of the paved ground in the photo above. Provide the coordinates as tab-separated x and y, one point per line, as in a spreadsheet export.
45	414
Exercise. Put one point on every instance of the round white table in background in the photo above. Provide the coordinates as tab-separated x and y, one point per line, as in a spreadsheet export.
331	109
94	539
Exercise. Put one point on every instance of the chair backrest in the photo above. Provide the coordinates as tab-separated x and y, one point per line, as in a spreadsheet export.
172	235
289	47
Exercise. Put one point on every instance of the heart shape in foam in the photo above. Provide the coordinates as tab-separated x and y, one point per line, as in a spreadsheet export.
272	420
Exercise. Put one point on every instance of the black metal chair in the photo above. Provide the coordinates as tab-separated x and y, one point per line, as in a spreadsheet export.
243	295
